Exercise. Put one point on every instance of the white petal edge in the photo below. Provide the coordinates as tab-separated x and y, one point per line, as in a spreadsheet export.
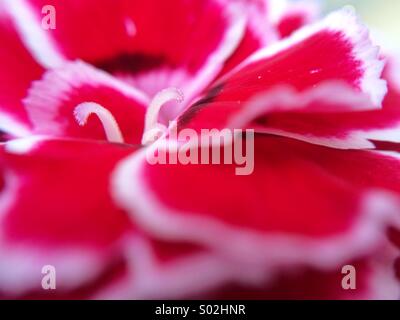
37	39
329	92
251	249
348	23
56	84
215	62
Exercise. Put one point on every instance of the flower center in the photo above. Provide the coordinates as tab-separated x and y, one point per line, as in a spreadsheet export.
153	130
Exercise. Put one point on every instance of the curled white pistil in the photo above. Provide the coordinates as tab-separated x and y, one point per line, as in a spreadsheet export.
110	125
152	128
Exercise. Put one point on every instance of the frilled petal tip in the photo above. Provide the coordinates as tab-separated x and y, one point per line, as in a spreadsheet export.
271	219
338	47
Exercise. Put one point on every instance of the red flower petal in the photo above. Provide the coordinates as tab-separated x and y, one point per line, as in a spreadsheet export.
56	210
148	269
338	48
51	103
303	203
137	40
60	172
384	125
289	16
85	290
258	34
300	115
171	270
269	21
341	129
18	69
374	279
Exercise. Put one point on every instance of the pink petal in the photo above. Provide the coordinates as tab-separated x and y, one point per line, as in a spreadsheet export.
148	269
259	33
374	279
269	21
52	100
315	54
56	210
302	204
340	129
286	112
138	41
67	169
18	69
172	270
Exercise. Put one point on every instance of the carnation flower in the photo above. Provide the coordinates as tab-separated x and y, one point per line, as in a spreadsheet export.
83	105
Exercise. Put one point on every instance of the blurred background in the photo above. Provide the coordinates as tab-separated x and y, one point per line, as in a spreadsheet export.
383	15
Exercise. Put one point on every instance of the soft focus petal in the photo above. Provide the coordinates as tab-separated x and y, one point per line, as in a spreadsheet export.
338	48
56	210
374	279
151	44
302	204
288	16
258	34
269	21
18	69
174	270
287	112
143	269
52	101
340	129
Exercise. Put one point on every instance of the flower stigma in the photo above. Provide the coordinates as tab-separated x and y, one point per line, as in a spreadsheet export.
153	130
83	111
